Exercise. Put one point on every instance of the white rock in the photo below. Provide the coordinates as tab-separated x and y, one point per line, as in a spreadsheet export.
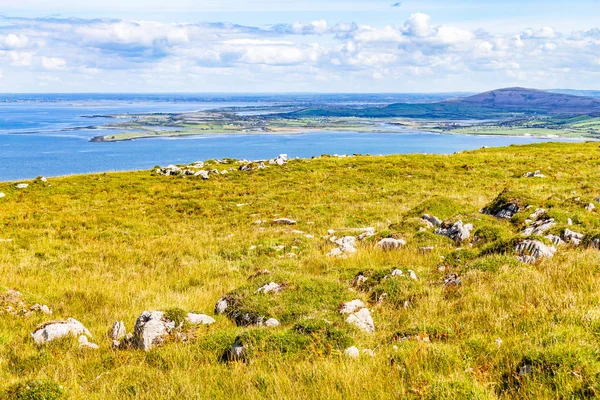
22	186
352	352
271	322
203	174
118	331
590	207
284	221
368	352
391	244
335	252
573	237
457	232
539	227
397	272
330	232
431	220
362	319
2	195
199	319
41	308
271	287
537	213
569	221
351	306
535	174
221	306
84	343
556	240
498	342
151	329
59	329
530	251
412	275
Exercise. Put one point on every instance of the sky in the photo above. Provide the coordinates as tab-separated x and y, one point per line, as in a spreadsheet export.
360	46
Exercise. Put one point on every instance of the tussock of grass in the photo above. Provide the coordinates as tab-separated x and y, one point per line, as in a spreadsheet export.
106	247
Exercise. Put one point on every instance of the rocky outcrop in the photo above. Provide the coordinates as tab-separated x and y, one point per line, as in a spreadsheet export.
59	329
530	251
539	227
458	231
362	320
151	329
391	244
572	237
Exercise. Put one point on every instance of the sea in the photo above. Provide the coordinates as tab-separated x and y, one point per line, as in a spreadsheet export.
49	135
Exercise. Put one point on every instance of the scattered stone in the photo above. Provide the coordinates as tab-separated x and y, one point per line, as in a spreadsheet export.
351	306
457	231
498	342
199	319
590	207
284	221
118	331
368	233
529	251
222	305
508	212
21	185
352	352
539	227
271	323
271	287
41	308
535	174
151	329
336	252
237	352
330	232
451	280
368	352
397	272
595	243
2	195
556	240
412	275
569	221
426	250
391	244
58	329
359	279
362	319
203	174
260	272
85	343
572	237
431	221
537	214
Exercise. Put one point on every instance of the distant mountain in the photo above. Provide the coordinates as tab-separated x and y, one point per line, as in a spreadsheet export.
530	99
494	104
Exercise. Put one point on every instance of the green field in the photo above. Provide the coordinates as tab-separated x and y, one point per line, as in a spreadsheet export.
106	247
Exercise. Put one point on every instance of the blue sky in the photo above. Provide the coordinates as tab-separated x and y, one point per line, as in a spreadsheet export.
289	46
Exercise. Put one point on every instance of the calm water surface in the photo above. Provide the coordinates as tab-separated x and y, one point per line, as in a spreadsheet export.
51	139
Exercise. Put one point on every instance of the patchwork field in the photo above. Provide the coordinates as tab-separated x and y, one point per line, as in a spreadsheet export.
473	321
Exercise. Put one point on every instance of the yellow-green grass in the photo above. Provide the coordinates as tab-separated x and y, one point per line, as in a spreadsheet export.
106	247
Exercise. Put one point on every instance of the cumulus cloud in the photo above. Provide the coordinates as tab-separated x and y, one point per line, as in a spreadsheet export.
302	51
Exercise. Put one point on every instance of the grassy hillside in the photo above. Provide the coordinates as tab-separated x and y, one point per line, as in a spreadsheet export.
105	247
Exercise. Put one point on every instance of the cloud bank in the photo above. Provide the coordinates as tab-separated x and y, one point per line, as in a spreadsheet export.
417	54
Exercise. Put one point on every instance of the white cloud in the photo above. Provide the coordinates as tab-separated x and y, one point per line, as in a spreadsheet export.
53	63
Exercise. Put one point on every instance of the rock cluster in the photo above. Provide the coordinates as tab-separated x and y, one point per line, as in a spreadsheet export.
360	316
458	231
530	251
202	169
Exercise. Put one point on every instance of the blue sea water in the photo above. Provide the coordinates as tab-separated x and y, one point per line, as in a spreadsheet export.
47	135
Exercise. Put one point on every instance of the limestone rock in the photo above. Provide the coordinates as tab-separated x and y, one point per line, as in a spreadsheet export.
284	221
556	240
271	323
539	227
271	287
118	331
352	352
222	305
529	251
2	195
412	275
151	329
351	306
41	308
58	329
199	319
391	244
203	174
397	272
362	319
458	231
572	237
431	220
368	352
534	174
590	207
22	186
237	352
85	343
508	212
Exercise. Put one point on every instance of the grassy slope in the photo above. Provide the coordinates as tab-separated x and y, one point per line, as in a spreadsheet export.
108	246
